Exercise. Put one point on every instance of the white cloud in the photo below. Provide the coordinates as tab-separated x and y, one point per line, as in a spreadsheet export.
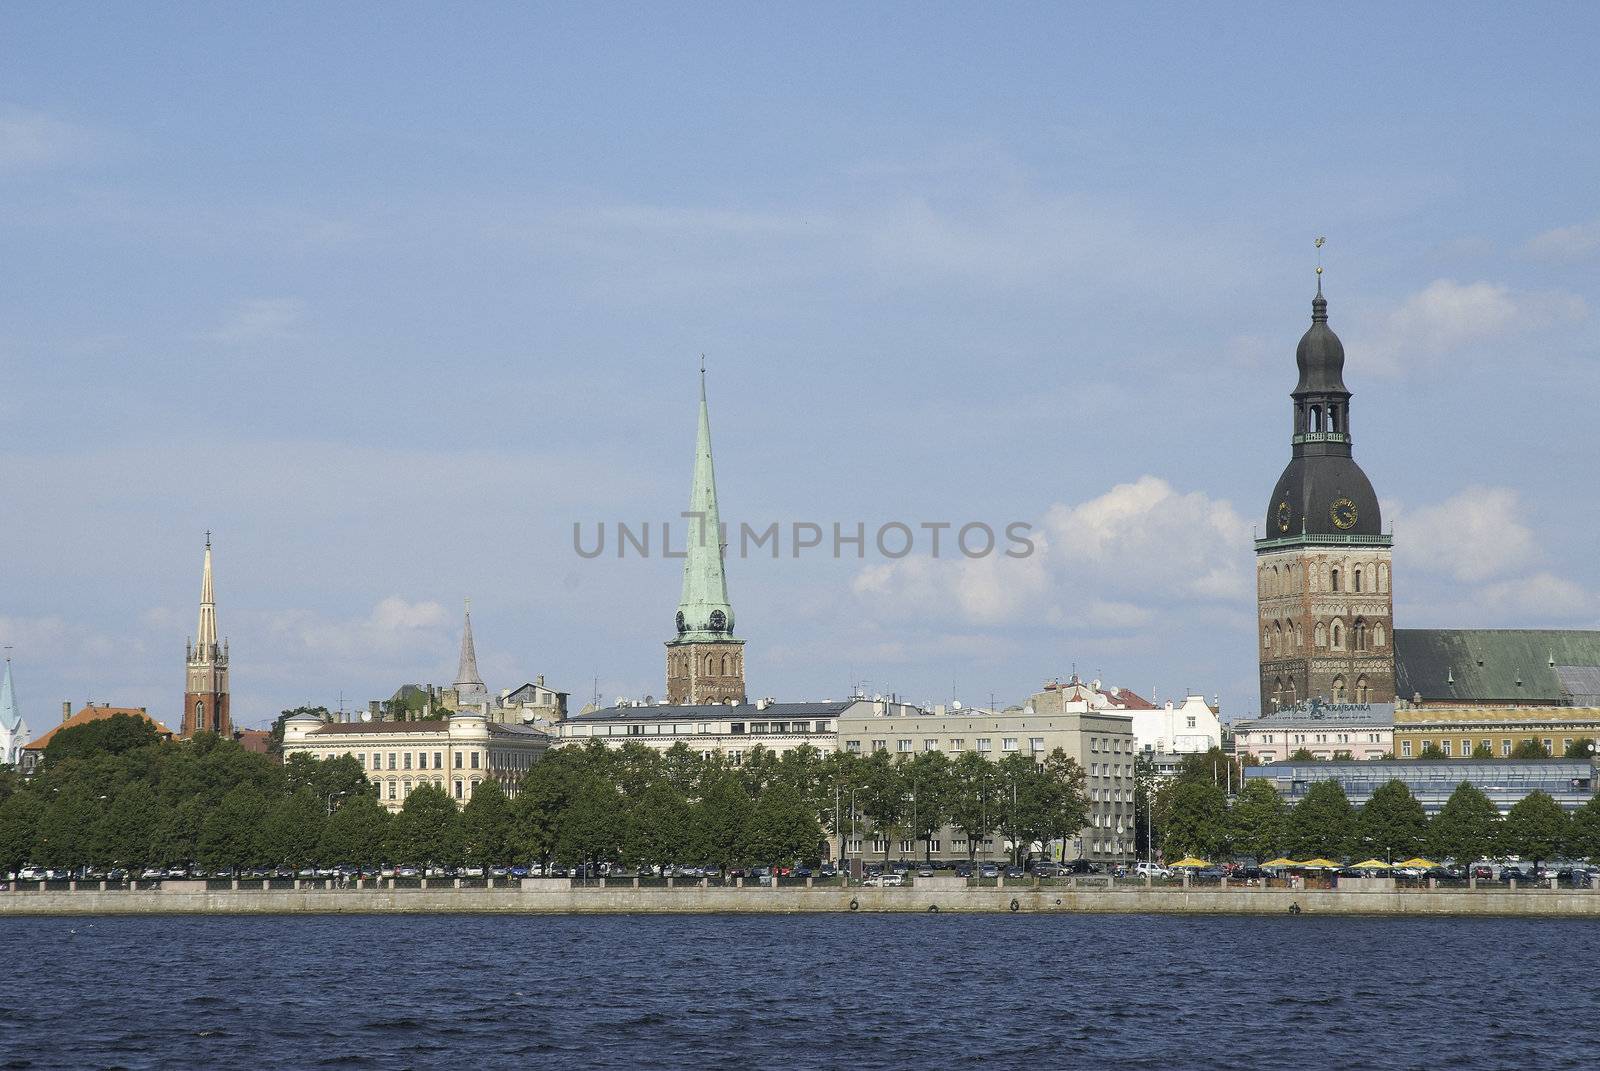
1576	242
32	140
259	320
1099	565
1542	597
1476	535
1446	317
395	626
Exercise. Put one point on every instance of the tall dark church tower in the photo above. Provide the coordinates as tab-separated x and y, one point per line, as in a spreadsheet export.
205	699
1323	579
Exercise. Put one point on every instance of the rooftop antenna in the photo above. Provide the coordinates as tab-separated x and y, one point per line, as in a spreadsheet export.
208	539
1318	243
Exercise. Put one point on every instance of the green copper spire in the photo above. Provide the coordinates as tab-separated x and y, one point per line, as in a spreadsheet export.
704	612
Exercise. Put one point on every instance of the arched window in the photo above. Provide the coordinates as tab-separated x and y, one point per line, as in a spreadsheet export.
1316	418
1277	692
1336	635
1277	638
1355	580
1321	636
1363	694
725	661
1377	635
1383	577
1358	635
1292	698
1299	640
1338	689
1266	639
1336	580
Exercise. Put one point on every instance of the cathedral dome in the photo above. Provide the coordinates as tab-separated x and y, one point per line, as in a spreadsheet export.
1323	495
1320	354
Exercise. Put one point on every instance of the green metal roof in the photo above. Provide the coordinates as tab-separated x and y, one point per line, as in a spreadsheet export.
1490	665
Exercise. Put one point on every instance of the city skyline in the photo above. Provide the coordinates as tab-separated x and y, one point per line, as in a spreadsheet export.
392	351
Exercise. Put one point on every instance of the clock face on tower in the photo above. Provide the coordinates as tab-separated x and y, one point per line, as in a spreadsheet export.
1283	516
683	626
718	621
1344	514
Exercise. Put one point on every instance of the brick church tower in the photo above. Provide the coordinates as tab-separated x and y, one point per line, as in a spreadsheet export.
1323	572
705	664
205	700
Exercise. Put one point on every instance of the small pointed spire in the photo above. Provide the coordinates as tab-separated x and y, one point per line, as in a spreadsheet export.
467	671
206	634
1319	304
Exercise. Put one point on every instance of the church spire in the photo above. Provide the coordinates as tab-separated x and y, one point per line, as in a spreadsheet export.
467	670
9	718
704	610
206	634
705	663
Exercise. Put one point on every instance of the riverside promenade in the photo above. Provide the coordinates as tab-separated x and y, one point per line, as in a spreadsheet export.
542	897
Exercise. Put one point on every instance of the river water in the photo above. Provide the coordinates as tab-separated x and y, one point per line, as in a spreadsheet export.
857	991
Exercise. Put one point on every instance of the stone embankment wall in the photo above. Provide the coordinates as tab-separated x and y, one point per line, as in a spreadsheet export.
543	899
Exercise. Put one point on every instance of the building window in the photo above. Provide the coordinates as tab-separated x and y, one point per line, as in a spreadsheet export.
458	760
391	790
902	746
475	760
1036	744
1191	721
407	763
405	789
1547	749
1336	588
1444	748
930	745
880	745
984	744
1505	749
853	746
458	788
1008	743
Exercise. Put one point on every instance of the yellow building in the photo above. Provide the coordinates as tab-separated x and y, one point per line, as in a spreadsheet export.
1461	731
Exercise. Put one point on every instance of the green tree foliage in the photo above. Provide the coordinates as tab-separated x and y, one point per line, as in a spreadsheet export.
19	824
1301	754
1430	752
489	828
427	831
1391	825
65	836
1529	749
548	790
292	830
1064	801
1583	831
974	798
722	822
783	827
125	834
354	834
1197	820
883	797
1467	827
1535	828
230	835
1581	748
1322	823
105	736
659	826
275	734
1482	751
1258	821
927	778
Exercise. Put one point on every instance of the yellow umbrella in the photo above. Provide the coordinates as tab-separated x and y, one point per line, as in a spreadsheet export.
1279	863
1371	864
1318	864
1191	861
1418	863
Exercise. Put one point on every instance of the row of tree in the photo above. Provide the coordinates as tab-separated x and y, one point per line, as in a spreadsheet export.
1196	818
112	794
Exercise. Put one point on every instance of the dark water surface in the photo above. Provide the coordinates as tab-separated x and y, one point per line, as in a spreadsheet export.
813	991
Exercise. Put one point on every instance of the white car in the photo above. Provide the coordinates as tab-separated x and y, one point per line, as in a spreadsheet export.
1151	870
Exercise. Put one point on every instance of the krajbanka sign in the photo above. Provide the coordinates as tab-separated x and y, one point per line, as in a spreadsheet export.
1322	708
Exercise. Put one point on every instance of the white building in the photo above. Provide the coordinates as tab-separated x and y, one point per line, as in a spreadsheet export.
456	754
13	730
732	730
1327	730
1167	733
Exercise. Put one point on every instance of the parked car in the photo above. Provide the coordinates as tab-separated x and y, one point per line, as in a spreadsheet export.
892	878
1151	870
989	870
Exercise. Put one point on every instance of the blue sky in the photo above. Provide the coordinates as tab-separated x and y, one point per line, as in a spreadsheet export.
389	298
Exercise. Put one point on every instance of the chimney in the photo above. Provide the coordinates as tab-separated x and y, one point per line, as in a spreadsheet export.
66	710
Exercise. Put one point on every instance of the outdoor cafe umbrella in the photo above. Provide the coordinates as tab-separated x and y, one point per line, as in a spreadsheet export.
1418	864
1318	864
1191	861
1370	864
1279	863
